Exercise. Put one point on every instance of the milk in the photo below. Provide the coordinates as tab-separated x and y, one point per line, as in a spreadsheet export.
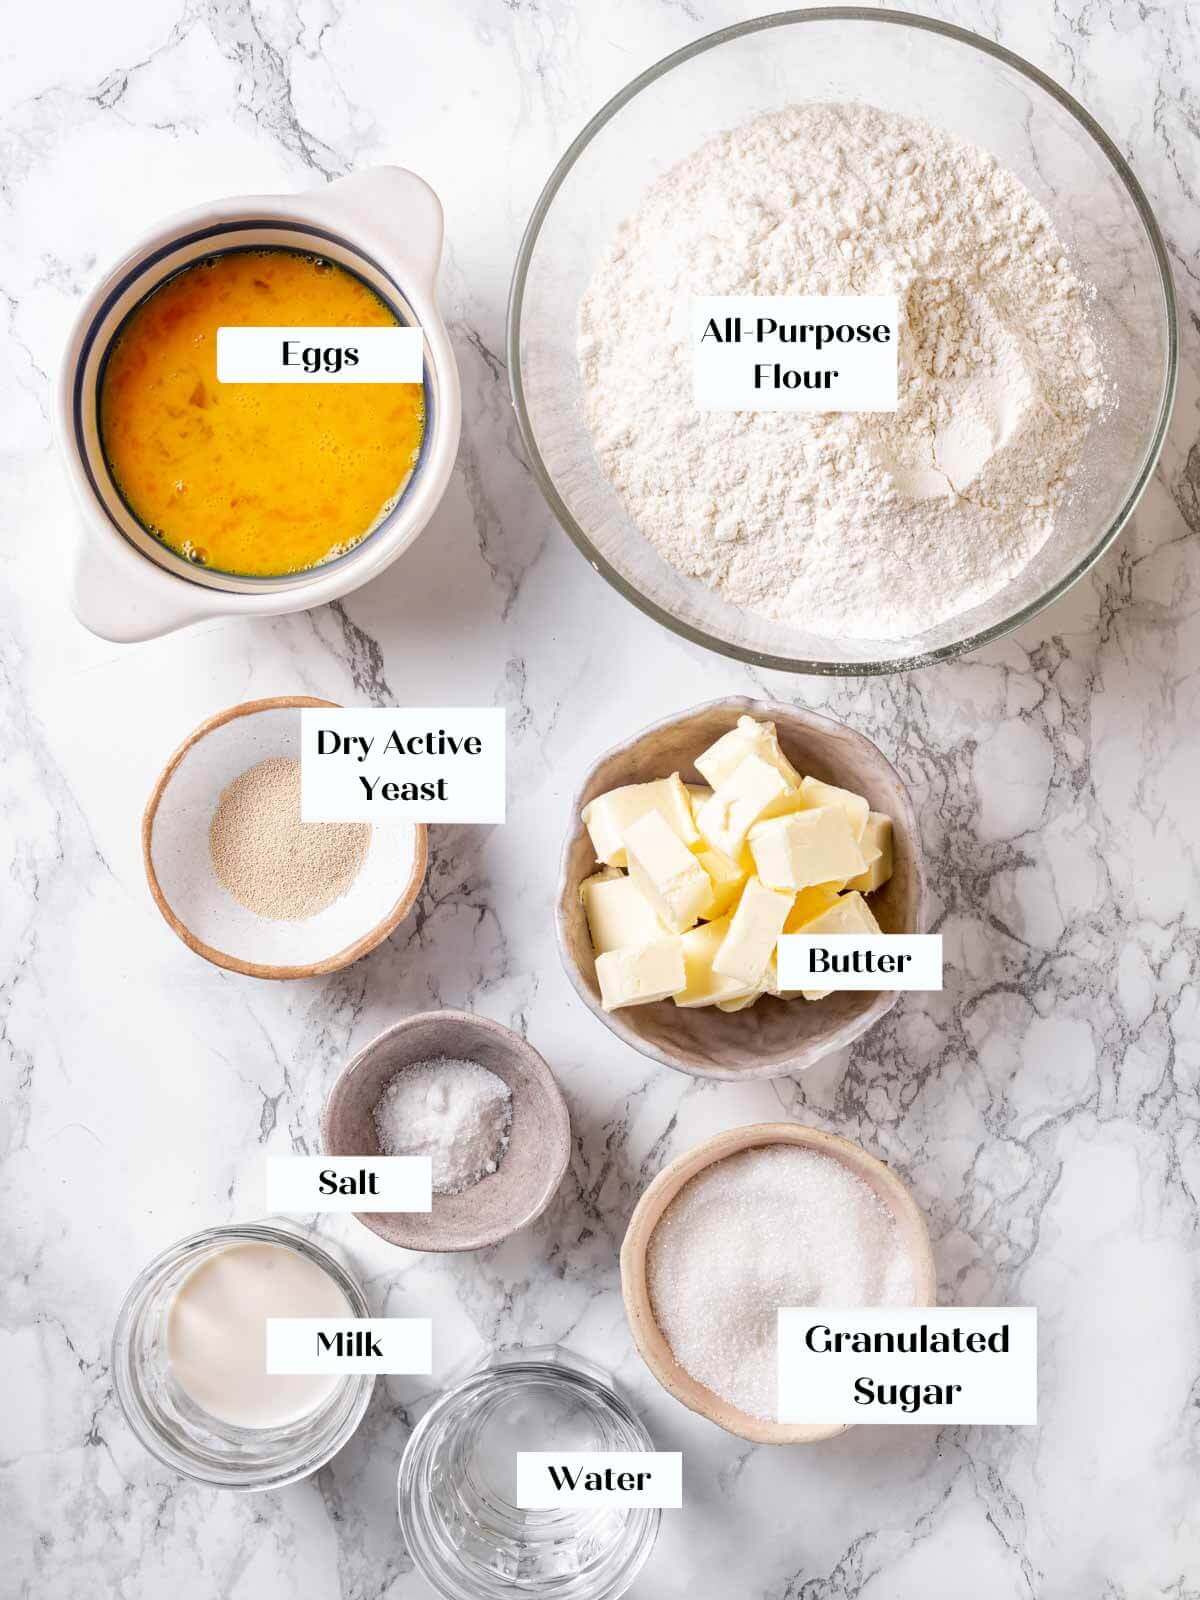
216	1333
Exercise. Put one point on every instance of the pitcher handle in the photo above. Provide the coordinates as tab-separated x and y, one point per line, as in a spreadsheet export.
396	206
127	605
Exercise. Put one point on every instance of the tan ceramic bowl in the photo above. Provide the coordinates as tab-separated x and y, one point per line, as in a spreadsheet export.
773	1037
200	910
647	1335
539	1144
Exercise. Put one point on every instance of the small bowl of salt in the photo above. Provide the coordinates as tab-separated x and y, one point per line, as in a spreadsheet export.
478	1101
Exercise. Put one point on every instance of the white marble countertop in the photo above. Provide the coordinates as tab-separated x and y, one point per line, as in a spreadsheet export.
1044	1108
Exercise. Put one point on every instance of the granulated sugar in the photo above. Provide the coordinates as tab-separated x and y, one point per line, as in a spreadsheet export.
269	860
876	525
456	1112
778	1226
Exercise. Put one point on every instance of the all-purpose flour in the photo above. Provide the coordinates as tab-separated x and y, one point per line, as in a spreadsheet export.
873	525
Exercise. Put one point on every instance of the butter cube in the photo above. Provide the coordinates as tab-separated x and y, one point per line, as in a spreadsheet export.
850	913
738	803
754	930
727	877
741	1005
617	912
698	793
809	904
749	738
704	986
806	848
767	984
641	975
814	793
667	873
608	816
876	847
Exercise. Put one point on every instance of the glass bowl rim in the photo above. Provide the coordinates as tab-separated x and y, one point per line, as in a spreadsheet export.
710	41
273	1476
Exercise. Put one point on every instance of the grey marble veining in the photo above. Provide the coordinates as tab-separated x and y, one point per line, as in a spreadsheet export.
1045	1107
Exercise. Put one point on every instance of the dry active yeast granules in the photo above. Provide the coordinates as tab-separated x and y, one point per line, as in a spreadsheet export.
269	860
873	525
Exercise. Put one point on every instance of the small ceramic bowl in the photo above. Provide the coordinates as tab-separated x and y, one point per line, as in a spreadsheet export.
653	1347
772	1037
201	910
385	226
538	1147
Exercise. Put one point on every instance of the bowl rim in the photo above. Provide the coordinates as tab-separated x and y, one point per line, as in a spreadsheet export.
645	79
643	1326
257	969
855	1027
539	1070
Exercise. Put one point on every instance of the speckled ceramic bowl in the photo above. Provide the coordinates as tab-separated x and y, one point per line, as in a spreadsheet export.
198	907
773	1037
653	1348
539	1144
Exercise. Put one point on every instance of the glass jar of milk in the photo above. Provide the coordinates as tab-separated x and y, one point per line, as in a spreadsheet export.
189	1357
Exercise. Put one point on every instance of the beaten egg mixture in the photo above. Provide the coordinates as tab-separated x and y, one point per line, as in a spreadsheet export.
248	478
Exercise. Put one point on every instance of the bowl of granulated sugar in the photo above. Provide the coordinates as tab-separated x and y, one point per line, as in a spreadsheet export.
479	1102
243	880
752	1221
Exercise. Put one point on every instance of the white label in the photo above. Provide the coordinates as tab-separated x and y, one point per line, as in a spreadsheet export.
428	764
319	355
860	961
546	1478
349	1183
349	1345
986	1372
785	352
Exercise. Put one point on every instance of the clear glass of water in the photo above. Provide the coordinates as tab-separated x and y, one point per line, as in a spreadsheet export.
457	1488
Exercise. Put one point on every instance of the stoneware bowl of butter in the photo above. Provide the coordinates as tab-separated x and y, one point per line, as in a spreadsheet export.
242	881
912	1239
539	1137
379	232
707	1023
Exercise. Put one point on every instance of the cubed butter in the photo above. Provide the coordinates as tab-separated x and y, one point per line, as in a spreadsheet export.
737	805
727	877
608	816
667	873
617	912
810	903
743	1003
749	738
814	793
705	987
850	913
754	930
876	846
806	848
767	984
640	975
698	793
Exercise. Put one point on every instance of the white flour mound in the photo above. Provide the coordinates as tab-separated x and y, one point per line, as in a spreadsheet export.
862	526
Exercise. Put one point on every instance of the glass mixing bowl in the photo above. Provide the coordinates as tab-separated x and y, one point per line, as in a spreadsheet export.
964	84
